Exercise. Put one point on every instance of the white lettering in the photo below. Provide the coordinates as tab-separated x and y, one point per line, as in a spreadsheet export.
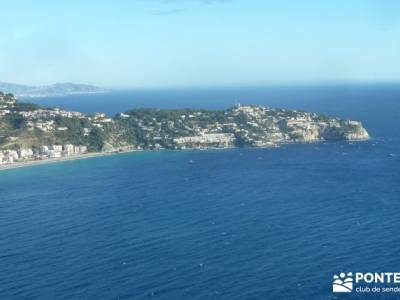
359	276
380	278
389	277
368	277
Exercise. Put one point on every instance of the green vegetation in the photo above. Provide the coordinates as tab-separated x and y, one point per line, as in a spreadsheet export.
29	125
15	120
21	106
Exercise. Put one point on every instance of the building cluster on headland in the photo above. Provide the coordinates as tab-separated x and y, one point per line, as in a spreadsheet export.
258	126
29	132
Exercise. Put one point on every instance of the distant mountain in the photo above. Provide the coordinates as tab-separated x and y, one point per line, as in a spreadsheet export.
58	89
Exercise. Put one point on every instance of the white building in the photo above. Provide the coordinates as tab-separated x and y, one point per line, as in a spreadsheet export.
9	159
57	148
54	154
80	149
69	148
44	149
13	154
25	153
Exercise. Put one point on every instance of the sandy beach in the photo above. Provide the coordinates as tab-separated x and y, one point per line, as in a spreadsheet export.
31	163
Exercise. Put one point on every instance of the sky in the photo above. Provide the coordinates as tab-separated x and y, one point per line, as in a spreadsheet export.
194	43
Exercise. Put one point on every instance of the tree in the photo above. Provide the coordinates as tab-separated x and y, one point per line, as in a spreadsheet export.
15	120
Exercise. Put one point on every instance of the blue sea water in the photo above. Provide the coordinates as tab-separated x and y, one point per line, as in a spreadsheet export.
219	224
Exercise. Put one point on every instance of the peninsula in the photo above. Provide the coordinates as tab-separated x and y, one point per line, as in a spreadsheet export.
30	133
53	90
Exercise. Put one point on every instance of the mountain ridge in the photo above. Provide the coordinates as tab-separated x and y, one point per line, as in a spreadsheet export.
53	90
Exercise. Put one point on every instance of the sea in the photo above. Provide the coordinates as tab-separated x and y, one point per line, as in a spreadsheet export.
273	223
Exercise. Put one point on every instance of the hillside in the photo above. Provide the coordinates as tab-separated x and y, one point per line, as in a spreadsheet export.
48	132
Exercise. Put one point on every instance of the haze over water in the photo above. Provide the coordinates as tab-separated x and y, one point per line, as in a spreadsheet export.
227	224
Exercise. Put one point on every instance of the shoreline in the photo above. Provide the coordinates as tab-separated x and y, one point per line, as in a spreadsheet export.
30	97
32	163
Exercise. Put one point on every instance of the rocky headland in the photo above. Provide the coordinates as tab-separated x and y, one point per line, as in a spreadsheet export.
29	132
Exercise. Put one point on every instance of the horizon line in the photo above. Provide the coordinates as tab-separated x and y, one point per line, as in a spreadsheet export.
224	85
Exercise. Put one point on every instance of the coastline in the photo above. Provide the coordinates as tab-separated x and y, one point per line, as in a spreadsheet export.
32	163
28	96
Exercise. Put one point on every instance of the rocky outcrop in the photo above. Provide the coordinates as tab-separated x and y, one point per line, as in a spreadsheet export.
349	130
356	132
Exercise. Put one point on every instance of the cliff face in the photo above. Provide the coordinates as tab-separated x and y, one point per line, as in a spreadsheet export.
356	133
31	128
350	130
274	126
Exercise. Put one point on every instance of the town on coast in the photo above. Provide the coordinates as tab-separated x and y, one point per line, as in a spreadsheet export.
30	133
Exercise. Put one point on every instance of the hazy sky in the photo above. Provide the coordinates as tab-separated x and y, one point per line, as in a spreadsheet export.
157	43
